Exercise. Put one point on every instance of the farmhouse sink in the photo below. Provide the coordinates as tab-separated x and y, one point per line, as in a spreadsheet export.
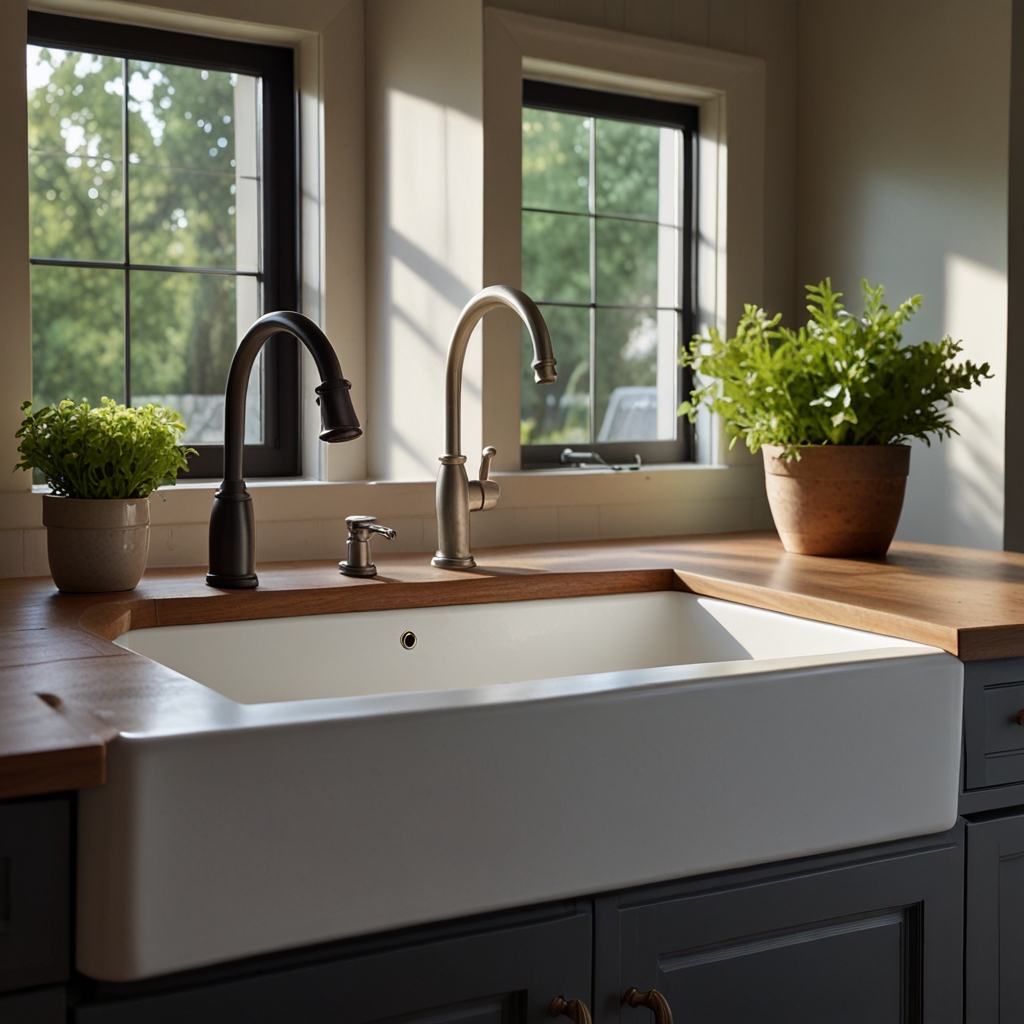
365	771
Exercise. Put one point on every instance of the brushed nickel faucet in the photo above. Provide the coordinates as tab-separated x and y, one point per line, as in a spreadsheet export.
457	495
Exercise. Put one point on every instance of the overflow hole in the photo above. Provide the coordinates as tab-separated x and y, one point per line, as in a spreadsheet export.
408	640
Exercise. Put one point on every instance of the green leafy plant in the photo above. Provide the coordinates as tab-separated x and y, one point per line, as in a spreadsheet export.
838	380
108	452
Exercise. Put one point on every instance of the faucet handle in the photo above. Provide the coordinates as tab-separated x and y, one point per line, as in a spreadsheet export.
485	492
485	461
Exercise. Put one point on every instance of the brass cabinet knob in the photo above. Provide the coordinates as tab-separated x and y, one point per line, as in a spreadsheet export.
653	1000
575	1009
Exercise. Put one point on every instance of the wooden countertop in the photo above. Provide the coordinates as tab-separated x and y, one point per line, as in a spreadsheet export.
66	689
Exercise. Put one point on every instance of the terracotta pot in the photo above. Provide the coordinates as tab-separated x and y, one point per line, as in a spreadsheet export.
838	500
96	545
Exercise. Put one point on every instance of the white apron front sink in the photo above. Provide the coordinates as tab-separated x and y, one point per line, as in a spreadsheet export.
519	752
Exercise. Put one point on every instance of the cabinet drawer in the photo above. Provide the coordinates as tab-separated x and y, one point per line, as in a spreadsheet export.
993	739
1002	730
35	893
1004	735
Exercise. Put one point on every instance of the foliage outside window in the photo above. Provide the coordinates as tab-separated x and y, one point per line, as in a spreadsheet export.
605	253
141	335
148	207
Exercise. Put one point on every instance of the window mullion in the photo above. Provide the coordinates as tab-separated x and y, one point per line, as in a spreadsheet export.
592	204
127	235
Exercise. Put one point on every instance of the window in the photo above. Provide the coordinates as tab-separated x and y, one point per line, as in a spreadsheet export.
608	201
163	221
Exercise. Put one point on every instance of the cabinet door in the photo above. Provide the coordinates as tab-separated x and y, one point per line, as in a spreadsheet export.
498	976
868	939
995	920
37	1006
35	892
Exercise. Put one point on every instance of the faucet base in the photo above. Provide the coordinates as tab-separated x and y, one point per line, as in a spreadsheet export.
214	579
362	571
453	563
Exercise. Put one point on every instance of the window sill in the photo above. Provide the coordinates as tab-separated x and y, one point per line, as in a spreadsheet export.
298	500
304	519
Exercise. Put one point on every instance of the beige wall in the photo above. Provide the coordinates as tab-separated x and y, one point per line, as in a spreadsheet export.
424	254
904	128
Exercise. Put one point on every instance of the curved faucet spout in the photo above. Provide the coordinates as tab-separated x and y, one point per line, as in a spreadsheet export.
232	525
457	495
543	358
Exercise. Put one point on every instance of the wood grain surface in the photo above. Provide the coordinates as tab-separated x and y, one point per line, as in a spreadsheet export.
66	689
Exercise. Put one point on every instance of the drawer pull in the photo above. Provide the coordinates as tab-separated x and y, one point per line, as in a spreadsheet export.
1020	717
653	1000
575	1009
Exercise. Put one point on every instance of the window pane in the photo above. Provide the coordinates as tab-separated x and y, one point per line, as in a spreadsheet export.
74	141
77	334
627	158
559	413
627	263
556	257
556	160
636	374
185	328
193	162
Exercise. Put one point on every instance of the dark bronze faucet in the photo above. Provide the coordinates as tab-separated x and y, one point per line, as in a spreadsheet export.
232	526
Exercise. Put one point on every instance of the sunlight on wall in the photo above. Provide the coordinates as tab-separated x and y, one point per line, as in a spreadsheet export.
901	197
976	313
432	254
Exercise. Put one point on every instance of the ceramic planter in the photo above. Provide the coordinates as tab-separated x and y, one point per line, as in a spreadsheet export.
838	500
96	545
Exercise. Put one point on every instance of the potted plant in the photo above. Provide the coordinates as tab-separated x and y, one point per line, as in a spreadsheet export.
831	406
101	465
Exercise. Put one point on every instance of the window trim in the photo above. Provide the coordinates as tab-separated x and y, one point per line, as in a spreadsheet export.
560	98
279	455
729	89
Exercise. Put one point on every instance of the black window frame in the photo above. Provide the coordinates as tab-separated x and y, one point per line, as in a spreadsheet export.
566	99
279	272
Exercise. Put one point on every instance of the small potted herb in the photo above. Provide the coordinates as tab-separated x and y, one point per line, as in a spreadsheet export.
101	464
831	406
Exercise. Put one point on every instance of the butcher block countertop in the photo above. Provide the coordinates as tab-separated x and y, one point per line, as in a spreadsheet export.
66	689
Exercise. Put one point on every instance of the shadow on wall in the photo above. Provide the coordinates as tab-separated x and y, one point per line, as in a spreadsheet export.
962	478
428	267
911	190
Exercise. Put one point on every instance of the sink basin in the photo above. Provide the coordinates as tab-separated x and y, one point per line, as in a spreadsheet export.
483	645
364	771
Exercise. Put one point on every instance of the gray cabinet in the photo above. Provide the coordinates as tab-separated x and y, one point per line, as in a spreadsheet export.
503	973
35	893
993	733
995	920
36	1006
864	938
